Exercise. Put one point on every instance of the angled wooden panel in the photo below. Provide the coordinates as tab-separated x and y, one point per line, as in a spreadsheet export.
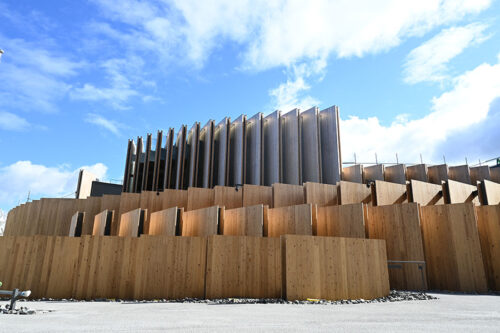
437	173
221	152
295	220
456	192
395	174
174	198
353	173
237	147
151	202
488	225
452	248
426	193
331	161
128	202
229	197
102	223
320	194
48	214
248	267
491	192
200	198
359	269
350	193
417	172
206	157
399	226
132	223
373	172
340	221
65	210
255	194
290	150
194	153
480	173
164	222
495	174
272	148
389	193
92	208
76	226
244	221
201	222
310	149
287	195
254	173
459	173
112	203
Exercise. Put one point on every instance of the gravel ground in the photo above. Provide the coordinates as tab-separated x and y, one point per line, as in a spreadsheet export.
400	311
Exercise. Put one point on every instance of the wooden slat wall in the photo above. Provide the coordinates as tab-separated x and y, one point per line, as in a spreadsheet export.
360	269
128	202
437	173
152	202
92	208
488	225
452	248
112	203
200	198
130	223
164	222
426	193
245	221
340	221
228	197
295	220
460	173
350	193
373	172
399	226
480	173
320	194
417	172
389	193
255	195
395	174
201	222
287	195
174	198
248	267
353	173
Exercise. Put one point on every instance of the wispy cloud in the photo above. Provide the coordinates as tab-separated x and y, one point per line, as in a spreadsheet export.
110	125
428	62
12	122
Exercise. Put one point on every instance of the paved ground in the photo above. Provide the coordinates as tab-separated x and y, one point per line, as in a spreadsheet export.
450	313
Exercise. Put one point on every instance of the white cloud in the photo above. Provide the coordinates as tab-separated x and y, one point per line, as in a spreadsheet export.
3	219
21	177
466	104
428	62
110	125
12	122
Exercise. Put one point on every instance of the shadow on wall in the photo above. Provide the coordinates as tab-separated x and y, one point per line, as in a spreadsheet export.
476	141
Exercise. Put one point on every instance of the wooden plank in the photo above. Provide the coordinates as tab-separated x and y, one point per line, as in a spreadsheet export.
495	174
245	221
243	266
128	202
488	225
112	203
174	198
340	221
296	220
165	222
425	193
386	193
138	166
479	173
151	202
148	170
320	194
353	173
373	172
395	174
132	223
255	194
350	193
200	198
456	192
437	173
417	172
102	223
491	192
459	173
75	229
359	268
287	195
399	226
229	197
92	208
200	222
452	248
65	210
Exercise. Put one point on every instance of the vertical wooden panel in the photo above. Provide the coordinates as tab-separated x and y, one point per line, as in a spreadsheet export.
206	156
164	222
350	193
320	194
200	198
131	223
112	203
417	172
491	192
229	197
488	224
426	193
340	221
437	173
151	202
456	192
201	222
248	267
495	174
353	173
102	223
194	153
399	226
296	220
287	195
174	198
245	221
460	173
395	174
128	202
92	208
452	248
255	194
373	172
389	193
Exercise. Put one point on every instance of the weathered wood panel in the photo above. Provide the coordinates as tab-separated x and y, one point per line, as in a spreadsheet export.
437	173
395	174
425	193
460	173
132	223
201	222
320	194
229	197
353	173
340	221
488	225
245	221
456	192
287	195
417	172
200	198
103	223
480	173
389	193
373	172
350	193
255	195
165	222
296	220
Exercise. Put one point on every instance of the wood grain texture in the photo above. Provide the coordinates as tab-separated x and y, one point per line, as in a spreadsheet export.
164	222
426	193
389	193
479	173
495	174
437	173
92	208
201	222
399	226
488	225
200	198
459	173
351	193
320	194
174	198
131	223
353	173
112	203
243	266
256	194
229	197
373	172
244	221
333	268
417	172
152	202
456	192
103	223
295	220
452	248
395	174
287	195
128	202
340	221
491	191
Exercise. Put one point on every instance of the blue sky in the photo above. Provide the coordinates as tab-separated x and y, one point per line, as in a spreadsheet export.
80	78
